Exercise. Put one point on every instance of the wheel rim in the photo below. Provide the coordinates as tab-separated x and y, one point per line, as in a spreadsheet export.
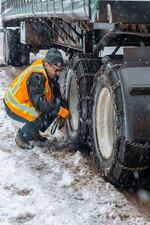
105	116
73	101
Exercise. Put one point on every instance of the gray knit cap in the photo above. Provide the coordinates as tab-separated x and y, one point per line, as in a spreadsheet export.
54	57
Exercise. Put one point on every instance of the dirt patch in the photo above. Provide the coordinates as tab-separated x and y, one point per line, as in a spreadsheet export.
23	218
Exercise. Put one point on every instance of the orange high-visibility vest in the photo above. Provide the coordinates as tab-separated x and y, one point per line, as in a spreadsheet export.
17	98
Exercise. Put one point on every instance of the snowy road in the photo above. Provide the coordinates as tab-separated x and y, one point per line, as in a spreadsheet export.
55	185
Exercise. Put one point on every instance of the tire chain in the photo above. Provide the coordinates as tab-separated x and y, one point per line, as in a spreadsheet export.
142	147
90	139
84	76
90	99
86	60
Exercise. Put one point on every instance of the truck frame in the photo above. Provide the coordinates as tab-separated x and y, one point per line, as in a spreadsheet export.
108	95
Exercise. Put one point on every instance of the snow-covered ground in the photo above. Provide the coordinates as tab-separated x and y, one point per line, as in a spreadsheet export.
55	184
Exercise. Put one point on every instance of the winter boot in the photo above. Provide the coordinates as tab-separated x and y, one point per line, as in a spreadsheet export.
22	144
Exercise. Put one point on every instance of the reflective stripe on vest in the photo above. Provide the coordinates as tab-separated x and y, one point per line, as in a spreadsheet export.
10	97
38	68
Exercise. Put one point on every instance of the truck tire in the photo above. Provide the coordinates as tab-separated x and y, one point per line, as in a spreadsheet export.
107	132
14	52
72	96
78	84
10	47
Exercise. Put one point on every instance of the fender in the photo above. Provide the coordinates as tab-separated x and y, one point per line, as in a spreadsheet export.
135	86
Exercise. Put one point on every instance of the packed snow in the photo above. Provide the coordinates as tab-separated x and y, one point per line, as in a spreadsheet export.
55	184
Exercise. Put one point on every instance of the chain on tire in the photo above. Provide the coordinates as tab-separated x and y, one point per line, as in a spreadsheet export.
107	133
78	82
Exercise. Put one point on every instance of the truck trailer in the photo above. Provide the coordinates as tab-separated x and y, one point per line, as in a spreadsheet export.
108	95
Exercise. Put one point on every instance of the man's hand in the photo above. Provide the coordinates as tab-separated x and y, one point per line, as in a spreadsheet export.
63	112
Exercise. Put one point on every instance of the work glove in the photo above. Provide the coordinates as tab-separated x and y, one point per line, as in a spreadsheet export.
63	112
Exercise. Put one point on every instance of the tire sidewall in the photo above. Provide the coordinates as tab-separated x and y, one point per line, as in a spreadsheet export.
105	165
73	135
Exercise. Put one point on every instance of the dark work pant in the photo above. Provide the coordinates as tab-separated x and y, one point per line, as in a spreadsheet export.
31	129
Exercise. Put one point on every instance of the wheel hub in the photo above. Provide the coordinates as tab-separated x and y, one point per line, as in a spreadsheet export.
105	123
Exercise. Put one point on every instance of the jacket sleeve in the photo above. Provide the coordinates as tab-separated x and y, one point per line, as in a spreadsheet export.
56	91
35	87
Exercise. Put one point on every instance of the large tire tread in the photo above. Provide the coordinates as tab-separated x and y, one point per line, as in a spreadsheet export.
84	71
123	170
15	53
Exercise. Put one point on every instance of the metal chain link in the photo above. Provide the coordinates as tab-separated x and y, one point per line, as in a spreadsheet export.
80	64
90	99
134	169
118	113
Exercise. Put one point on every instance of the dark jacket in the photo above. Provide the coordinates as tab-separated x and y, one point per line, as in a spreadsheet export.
35	87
